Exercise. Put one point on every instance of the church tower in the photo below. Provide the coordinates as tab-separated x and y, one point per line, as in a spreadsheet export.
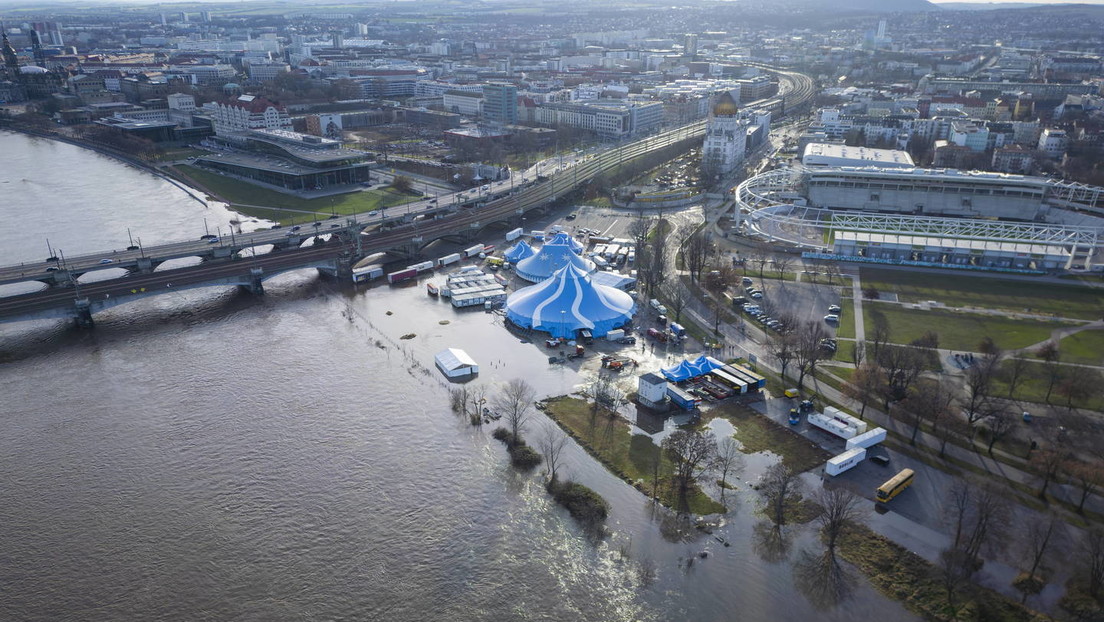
725	140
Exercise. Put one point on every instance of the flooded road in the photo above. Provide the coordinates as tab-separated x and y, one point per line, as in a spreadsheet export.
210	454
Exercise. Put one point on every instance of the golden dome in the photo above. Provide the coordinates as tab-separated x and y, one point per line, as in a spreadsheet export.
726	106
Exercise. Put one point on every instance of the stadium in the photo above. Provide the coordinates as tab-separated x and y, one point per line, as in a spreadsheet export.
927	217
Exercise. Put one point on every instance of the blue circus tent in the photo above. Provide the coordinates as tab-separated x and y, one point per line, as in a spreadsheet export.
561	239
567	302
549	259
518	251
688	369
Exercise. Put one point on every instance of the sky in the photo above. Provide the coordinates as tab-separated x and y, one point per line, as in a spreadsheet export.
1024	1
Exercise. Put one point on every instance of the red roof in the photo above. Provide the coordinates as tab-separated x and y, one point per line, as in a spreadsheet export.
253	104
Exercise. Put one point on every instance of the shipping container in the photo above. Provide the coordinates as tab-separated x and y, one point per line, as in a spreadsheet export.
473	251
738	384
367	273
846	460
538	236
514	234
760	381
401	275
448	260
681	398
867	439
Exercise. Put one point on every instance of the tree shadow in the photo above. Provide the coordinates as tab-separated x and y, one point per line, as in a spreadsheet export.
822	579
772	543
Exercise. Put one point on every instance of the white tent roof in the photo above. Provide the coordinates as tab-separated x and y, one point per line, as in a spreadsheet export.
454	358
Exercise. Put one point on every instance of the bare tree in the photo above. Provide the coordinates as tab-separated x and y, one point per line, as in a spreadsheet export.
999	423
866	383
902	365
1036	541
783	347
690	452
515	403
676	298
1049	463
782	490
1088	476
977	401
838	507
783	263
808	351
760	259
604	395
638	230
1012	372
729	459
696	251
1052	357
477	397
551	446
927	402
1094	562
1077	384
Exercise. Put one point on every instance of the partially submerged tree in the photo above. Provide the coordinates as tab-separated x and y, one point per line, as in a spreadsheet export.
782	491
551	446
838	507
729	459
515	402
690	452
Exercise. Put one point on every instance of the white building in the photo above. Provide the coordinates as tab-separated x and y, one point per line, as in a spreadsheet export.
463	102
1053	142
820	154
247	112
725	138
264	71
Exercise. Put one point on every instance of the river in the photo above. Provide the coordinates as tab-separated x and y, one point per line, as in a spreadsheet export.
214	455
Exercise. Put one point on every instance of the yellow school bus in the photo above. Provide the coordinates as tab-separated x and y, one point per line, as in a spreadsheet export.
895	485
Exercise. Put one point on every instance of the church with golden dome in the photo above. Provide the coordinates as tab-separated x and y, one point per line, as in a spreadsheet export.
729	135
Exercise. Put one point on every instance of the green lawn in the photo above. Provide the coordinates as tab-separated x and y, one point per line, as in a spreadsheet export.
244	196
957	331
957	290
1032	387
630	456
846	329
1085	347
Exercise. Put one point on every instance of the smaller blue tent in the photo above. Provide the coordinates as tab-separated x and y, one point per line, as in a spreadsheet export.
688	369
518	251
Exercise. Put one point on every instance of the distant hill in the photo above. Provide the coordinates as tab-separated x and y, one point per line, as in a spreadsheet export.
984	6
859	6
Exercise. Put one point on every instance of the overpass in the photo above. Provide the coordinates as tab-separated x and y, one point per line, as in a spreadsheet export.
228	260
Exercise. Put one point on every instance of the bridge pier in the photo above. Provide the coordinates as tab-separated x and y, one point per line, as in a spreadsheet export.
256	286
84	313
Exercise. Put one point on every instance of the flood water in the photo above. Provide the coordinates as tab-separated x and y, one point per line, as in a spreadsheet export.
214	455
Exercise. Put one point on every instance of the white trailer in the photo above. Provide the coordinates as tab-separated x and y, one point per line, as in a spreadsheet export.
424	266
473	251
448	260
867	439
515	234
367	273
615	335
833	426
846	460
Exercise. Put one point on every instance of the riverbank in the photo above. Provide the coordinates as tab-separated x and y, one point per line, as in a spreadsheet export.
632	457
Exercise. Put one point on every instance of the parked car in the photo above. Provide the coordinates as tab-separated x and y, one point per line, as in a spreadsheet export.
834	309
831	318
757	295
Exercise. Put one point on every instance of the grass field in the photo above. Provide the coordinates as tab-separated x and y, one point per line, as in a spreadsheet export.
1032	387
1086	347
957	331
757	433
955	290
245	197
846	329
630	456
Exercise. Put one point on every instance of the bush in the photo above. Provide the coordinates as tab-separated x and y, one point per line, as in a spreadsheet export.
584	504
502	434
524	457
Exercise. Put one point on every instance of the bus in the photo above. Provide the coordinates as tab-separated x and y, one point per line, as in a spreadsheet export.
895	485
